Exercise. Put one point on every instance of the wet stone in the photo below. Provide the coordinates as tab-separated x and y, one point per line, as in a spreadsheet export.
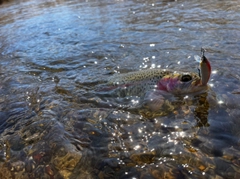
60	151
107	173
142	158
43	158
29	165
146	176
5	173
49	170
111	162
128	172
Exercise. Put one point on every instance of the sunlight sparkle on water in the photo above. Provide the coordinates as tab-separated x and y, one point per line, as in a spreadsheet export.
180	134
134	101
137	147
153	66
146	59
130	138
140	130
214	71
220	102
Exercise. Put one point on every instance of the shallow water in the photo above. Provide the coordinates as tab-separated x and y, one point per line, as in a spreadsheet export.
55	124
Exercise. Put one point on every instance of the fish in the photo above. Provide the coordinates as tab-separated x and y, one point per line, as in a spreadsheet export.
139	82
175	82
153	86
204	67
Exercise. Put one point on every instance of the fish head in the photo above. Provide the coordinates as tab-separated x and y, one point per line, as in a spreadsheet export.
181	83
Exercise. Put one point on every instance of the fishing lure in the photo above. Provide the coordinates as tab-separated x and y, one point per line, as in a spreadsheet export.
204	67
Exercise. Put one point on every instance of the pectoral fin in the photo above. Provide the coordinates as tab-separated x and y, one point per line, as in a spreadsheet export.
154	100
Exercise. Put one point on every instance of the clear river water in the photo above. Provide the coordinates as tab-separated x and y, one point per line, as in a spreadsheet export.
55	124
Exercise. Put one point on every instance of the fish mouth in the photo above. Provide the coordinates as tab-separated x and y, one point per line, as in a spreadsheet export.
197	82
198	86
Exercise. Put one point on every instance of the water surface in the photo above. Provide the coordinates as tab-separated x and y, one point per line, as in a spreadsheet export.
55	124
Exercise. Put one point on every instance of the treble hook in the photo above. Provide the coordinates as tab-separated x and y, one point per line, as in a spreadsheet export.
203	50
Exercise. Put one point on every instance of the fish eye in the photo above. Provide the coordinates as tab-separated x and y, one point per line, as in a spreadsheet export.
186	78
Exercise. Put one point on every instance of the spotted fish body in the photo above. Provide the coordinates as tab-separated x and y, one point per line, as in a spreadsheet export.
140	82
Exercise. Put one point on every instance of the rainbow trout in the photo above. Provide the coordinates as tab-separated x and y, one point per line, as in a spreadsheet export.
140	82
177	83
153	85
